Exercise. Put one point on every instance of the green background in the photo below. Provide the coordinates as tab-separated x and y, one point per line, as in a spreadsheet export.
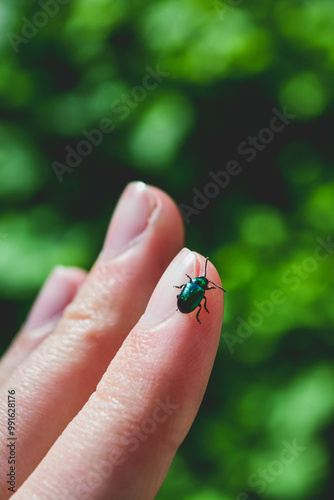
229	63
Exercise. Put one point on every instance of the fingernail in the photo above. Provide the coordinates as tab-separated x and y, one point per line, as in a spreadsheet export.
130	218
163	302
57	292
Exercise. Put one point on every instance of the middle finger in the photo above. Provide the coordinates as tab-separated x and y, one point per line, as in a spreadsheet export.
56	380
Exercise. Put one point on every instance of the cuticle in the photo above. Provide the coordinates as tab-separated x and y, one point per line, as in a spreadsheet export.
150	220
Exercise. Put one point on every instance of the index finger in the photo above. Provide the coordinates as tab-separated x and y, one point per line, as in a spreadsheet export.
122	442
56	379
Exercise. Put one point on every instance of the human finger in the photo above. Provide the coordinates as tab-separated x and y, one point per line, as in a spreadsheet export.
122	442
145	233
57	292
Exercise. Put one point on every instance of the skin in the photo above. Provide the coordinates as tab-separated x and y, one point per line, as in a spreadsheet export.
108	384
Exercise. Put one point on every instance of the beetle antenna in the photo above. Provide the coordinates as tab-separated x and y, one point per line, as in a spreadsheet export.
217	285
206	265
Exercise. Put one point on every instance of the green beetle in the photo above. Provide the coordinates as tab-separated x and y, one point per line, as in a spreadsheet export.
193	293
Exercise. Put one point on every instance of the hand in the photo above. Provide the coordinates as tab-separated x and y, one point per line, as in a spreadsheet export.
108	380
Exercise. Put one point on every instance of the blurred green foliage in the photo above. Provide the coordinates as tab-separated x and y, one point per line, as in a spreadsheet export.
228	64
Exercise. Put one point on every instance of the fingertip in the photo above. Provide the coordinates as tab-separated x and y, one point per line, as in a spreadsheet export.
163	302
173	214
57	292
214	278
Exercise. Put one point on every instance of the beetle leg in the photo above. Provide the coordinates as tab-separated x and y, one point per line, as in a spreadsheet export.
179	286
199	310
210	288
207	310
190	278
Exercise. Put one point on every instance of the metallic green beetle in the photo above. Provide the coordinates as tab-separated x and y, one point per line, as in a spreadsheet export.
194	292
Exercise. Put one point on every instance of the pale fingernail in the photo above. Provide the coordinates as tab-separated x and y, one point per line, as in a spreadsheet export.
57	292
163	302
130	218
